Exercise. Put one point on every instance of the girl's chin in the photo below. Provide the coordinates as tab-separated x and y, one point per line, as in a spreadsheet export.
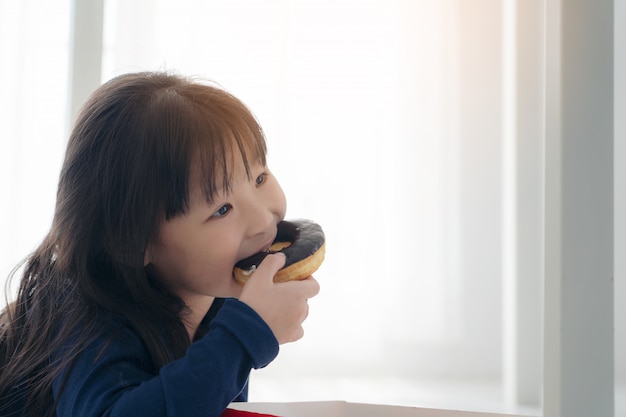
231	290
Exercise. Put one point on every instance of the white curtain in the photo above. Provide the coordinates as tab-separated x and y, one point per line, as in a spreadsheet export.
386	123
34	38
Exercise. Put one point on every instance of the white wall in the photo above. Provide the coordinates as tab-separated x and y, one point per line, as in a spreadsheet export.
620	194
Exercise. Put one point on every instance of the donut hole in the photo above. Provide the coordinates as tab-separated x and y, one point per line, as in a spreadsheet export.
278	246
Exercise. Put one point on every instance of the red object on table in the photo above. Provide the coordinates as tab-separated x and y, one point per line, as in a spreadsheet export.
229	412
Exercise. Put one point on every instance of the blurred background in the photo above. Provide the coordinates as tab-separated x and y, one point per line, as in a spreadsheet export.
390	123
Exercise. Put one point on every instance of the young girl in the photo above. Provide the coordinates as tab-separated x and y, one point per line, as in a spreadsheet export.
129	306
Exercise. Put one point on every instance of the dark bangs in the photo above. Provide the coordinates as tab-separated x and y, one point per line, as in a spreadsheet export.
207	130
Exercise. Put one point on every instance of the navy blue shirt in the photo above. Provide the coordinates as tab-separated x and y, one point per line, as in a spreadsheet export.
121	380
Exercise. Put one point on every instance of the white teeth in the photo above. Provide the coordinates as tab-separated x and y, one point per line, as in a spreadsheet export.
250	271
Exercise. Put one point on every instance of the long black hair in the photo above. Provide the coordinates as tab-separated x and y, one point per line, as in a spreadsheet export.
130	157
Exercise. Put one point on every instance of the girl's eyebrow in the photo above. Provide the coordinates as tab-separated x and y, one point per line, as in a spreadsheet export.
218	201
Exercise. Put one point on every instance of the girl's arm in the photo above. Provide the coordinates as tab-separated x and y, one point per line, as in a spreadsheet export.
213	372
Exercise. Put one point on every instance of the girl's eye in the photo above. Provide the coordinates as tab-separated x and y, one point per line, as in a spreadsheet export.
261	179
222	211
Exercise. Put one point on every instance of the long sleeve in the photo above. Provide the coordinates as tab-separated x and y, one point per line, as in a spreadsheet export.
213	372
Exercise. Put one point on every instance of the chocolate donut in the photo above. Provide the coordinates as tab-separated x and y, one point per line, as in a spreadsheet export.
303	244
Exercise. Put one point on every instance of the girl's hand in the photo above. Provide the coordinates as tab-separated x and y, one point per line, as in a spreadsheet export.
283	306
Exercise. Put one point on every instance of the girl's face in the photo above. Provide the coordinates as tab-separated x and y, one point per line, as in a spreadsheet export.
194	254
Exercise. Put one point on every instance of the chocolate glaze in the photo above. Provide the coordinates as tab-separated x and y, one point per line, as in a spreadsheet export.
306	238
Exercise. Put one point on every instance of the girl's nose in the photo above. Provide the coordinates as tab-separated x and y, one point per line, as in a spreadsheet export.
260	218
